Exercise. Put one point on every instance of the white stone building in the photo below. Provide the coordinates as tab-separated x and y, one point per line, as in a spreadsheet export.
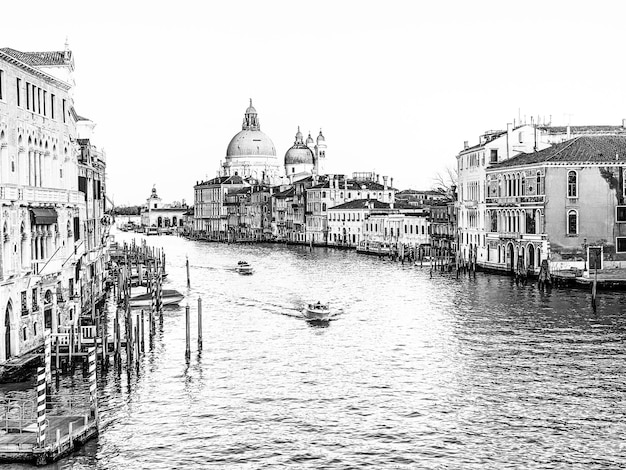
49	251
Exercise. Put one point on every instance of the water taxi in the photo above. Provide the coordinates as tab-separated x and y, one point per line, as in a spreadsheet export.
244	268
317	311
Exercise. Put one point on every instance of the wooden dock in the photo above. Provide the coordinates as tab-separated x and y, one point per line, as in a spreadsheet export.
66	434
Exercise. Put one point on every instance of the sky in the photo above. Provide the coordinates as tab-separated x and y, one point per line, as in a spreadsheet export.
396	86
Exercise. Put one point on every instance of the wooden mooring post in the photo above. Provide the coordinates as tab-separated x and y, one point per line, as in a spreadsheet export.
199	324
187	333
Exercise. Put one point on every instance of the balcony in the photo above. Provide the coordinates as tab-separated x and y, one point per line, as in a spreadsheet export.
41	195
509	235
508	200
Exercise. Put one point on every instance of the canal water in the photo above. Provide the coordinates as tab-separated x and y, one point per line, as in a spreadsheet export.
413	372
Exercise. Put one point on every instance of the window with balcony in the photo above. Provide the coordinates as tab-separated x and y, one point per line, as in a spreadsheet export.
572	184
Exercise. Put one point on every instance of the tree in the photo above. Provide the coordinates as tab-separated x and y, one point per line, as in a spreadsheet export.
443	181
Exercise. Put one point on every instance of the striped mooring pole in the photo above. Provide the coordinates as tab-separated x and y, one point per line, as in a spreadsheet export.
93	395
48	354
41	406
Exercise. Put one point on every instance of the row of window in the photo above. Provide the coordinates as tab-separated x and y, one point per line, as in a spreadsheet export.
37	100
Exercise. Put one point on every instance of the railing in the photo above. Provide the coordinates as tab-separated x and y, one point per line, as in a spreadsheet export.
515	199
15	415
33	194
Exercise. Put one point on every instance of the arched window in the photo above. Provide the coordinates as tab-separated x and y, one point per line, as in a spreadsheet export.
572	222
572	184
539	185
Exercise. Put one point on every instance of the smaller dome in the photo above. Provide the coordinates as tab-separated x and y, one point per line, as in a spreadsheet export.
309	139
299	154
320	138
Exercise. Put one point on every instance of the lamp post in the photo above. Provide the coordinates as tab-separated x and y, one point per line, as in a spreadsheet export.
585	252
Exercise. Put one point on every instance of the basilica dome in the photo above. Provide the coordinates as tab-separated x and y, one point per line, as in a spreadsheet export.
299	152
251	142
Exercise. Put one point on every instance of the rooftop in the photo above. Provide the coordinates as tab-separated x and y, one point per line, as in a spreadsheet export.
584	149
39	59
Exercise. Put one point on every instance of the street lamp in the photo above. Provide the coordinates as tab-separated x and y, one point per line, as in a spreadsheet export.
585	252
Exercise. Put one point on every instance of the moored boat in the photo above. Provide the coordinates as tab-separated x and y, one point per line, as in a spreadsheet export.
317	311
170	297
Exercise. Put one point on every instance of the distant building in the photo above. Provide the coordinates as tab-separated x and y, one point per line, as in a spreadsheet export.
420	198
332	190
346	221
210	214
157	214
251	153
396	230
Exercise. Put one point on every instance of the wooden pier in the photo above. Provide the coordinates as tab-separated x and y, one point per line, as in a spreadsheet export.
43	431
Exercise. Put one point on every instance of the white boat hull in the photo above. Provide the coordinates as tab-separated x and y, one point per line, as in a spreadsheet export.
145	300
317	314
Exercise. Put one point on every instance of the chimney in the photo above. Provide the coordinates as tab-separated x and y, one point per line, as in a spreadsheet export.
391	182
465	144
509	139
624	123
569	133
378	178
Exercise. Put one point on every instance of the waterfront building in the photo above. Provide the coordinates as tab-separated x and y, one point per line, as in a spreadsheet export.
210	214
282	212
238	216
443	227
92	186
52	198
260	213
493	148
156	214
396	230
345	221
251	153
332	190
564	203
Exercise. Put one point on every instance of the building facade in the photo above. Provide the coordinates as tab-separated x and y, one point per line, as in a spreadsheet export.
52	196
163	216
561	204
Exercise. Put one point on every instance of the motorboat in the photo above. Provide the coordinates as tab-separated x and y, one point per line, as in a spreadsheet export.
317	311
244	268
169	297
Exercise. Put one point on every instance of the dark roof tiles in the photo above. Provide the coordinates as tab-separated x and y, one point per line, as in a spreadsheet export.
590	149
38	59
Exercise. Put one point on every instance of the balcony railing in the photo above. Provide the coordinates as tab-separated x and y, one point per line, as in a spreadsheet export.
43	195
515	199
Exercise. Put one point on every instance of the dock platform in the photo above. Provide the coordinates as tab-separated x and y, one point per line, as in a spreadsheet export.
65	434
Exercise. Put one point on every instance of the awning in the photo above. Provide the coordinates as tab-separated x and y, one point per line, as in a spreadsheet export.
42	216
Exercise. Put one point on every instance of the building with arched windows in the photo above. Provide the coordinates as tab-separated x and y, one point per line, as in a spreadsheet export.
51	202
167	217
505	220
557	204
